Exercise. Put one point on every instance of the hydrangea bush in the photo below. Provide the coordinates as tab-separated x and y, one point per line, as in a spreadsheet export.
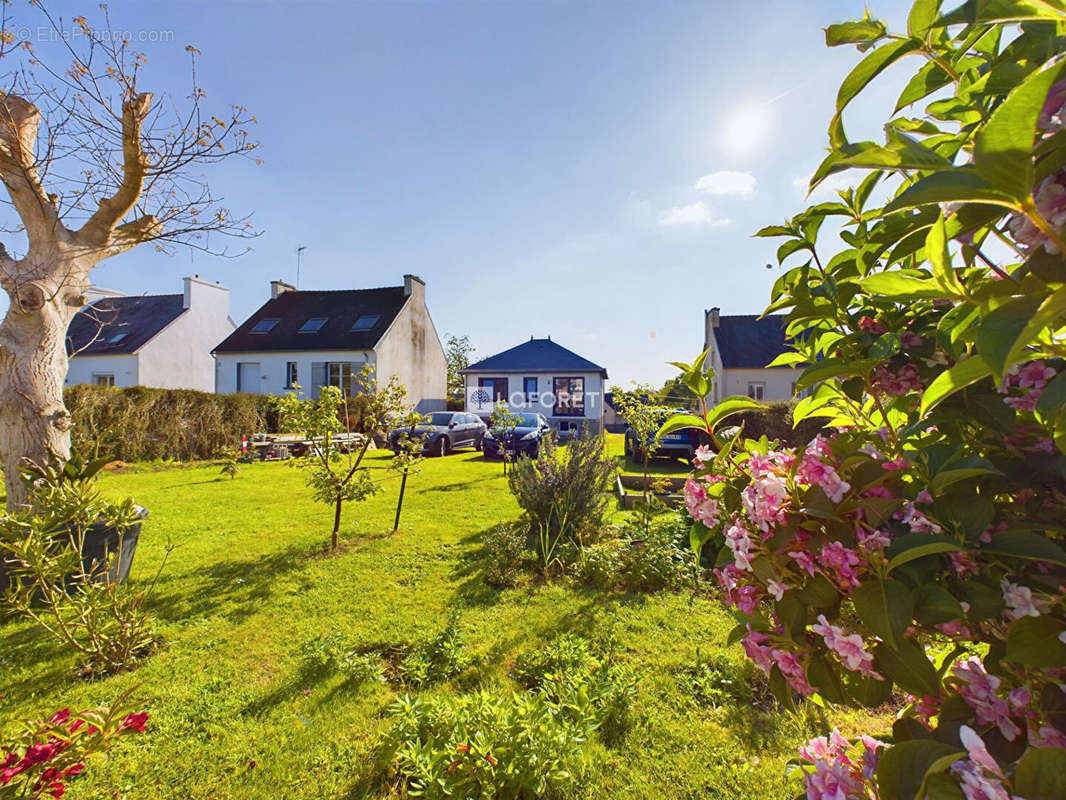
914	552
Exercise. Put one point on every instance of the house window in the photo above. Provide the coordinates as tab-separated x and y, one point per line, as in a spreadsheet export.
365	322
529	386
103	379
291	376
265	325
313	325
341	375
497	386
756	390
569	397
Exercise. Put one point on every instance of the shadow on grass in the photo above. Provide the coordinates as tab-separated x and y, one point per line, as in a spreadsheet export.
245	584
32	645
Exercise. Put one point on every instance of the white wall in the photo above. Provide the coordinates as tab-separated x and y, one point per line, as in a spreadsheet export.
179	356
411	350
778	381
123	367
272	368
594	389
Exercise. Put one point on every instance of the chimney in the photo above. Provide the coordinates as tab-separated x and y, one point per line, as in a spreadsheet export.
200	294
712	317
414	286
278	288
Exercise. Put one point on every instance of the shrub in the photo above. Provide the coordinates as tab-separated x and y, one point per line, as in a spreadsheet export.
435	659
630	558
774	421
141	424
562	491
335	652
510	555
45	756
486	746
718	680
920	545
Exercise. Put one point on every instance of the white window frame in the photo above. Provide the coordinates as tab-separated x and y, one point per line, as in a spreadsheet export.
108	376
757	390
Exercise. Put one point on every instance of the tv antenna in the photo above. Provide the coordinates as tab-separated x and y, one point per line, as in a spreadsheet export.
299	255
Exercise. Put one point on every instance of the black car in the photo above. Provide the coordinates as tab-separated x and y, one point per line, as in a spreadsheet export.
444	431
525	439
679	444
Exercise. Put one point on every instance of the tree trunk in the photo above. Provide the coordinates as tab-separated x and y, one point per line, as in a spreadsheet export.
336	523
34	422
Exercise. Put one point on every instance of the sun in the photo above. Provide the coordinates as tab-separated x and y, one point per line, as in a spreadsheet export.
745	128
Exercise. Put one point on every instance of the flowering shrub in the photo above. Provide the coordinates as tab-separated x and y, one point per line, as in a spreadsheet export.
47	755
918	544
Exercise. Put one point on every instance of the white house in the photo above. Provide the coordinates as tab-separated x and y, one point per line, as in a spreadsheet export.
319	338
740	348
539	376
161	340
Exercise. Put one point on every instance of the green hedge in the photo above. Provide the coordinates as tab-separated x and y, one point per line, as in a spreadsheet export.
141	424
775	421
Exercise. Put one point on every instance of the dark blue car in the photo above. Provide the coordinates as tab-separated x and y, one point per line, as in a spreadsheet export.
524	440
679	444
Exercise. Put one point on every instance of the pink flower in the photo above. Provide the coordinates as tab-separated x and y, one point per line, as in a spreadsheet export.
700	506
765	499
895	384
976	785
804	560
871	325
135	722
736	538
896	464
761	655
60	717
924	497
792	669
1035	374
977	751
813	472
1050	198
848	648
979	693
1019	600
910	340
776	590
1047	736
703	457
842	562
916	520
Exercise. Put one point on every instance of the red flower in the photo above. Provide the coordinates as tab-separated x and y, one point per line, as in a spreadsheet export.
38	753
74	769
60	717
463	748
135	722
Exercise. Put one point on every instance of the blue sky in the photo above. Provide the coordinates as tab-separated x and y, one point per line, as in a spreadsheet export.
592	171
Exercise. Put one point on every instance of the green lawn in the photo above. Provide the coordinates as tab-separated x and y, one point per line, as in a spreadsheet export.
233	715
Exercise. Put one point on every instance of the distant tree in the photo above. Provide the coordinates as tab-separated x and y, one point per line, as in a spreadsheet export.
502	424
408	458
638	407
457	352
93	167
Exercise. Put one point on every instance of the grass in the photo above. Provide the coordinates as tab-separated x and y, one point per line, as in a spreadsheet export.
234	714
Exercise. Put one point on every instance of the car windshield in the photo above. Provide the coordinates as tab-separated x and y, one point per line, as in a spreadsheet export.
439	419
528	421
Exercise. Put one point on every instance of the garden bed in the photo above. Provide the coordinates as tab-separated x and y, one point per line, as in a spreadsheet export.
630	489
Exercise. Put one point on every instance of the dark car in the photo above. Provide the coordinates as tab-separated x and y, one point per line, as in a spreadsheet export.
444	431
679	444
525	439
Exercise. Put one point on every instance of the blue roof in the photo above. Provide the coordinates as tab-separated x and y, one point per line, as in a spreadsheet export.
536	355
121	325
746	340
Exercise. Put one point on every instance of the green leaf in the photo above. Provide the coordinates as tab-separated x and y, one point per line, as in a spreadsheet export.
934	604
1053	398
832	368
1000	329
922	16
924	82
865	71
678	422
1045	317
789	360
885	607
912	546
963	374
1022	544
1034	641
1041	774
959	472
1003	148
908	667
1019	10
959	185
728	407
936	250
898	286
855	32
825	677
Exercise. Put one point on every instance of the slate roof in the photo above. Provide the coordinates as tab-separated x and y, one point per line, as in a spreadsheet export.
536	355
340	307
132	320
747	340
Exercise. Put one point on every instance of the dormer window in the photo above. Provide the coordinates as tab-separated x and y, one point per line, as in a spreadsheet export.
118	337
313	325
265	325
365	322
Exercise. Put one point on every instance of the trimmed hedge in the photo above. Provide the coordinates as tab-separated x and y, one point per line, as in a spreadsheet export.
141	424
775	421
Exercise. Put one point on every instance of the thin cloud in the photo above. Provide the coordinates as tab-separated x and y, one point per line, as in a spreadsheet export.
691	215
728	183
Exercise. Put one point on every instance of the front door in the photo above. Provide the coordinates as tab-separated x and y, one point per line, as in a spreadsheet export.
248	377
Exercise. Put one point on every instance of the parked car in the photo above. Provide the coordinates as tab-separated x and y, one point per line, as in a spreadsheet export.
444	431
525	439
679	444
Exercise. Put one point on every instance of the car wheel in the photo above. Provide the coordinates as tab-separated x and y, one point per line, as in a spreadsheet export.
477	445
442	446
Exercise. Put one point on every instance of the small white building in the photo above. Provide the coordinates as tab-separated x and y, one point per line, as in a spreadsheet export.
740	348
319	338
542	377
163	340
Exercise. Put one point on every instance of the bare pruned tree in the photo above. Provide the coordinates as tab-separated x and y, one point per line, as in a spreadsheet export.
93	166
